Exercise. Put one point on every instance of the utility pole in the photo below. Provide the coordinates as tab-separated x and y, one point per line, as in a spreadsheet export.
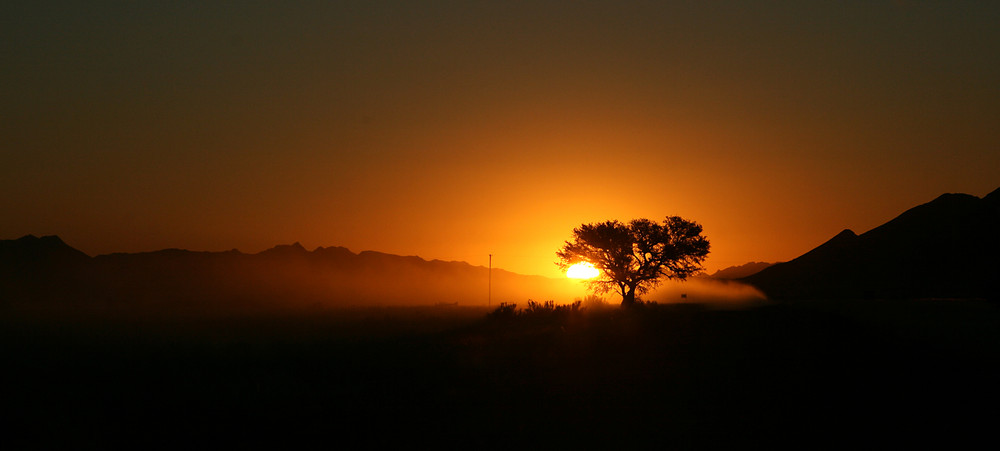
489	289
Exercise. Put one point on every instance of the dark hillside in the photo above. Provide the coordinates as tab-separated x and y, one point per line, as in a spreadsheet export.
946	248
35	268
741	271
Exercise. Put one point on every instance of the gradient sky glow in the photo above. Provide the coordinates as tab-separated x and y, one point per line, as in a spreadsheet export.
453	130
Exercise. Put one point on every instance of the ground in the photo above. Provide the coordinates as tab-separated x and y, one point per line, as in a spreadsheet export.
675	376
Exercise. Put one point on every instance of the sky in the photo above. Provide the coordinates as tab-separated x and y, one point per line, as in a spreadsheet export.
455	130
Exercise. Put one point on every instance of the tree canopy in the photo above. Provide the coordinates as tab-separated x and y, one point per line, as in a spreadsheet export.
635	257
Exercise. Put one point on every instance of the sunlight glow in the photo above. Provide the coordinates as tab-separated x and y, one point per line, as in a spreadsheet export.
582	270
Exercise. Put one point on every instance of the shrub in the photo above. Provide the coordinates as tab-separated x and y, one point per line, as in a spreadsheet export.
594	302
504	311
537	310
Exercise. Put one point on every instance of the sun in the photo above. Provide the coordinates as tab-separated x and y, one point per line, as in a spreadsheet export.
582	270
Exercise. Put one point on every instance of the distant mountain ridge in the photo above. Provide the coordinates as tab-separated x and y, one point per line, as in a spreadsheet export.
740	271
30	248
46	269
946	248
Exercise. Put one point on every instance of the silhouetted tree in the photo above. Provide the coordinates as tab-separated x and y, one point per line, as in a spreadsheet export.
637	256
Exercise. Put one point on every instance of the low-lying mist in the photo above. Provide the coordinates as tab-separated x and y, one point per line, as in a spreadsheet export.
712	292
291	278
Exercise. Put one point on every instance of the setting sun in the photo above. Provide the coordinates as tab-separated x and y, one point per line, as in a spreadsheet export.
582	270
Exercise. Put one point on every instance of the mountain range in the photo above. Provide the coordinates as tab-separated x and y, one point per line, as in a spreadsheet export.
739	271
947	248
46	269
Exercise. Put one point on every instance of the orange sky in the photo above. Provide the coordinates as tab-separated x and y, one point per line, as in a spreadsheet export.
452	131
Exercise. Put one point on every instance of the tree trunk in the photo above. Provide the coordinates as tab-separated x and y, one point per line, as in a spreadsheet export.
628	298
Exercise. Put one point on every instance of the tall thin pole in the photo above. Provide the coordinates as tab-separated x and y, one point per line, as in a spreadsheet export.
489	289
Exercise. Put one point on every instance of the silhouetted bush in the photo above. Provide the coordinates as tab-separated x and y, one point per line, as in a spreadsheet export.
504	311
570	309
594	302
536	310
540	309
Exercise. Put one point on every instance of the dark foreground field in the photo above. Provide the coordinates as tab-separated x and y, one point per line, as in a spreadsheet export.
804	375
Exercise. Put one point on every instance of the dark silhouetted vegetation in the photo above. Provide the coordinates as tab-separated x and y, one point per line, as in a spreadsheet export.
536	310
504	311
635	257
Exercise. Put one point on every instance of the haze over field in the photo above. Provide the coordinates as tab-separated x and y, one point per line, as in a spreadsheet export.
455	130
46	273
